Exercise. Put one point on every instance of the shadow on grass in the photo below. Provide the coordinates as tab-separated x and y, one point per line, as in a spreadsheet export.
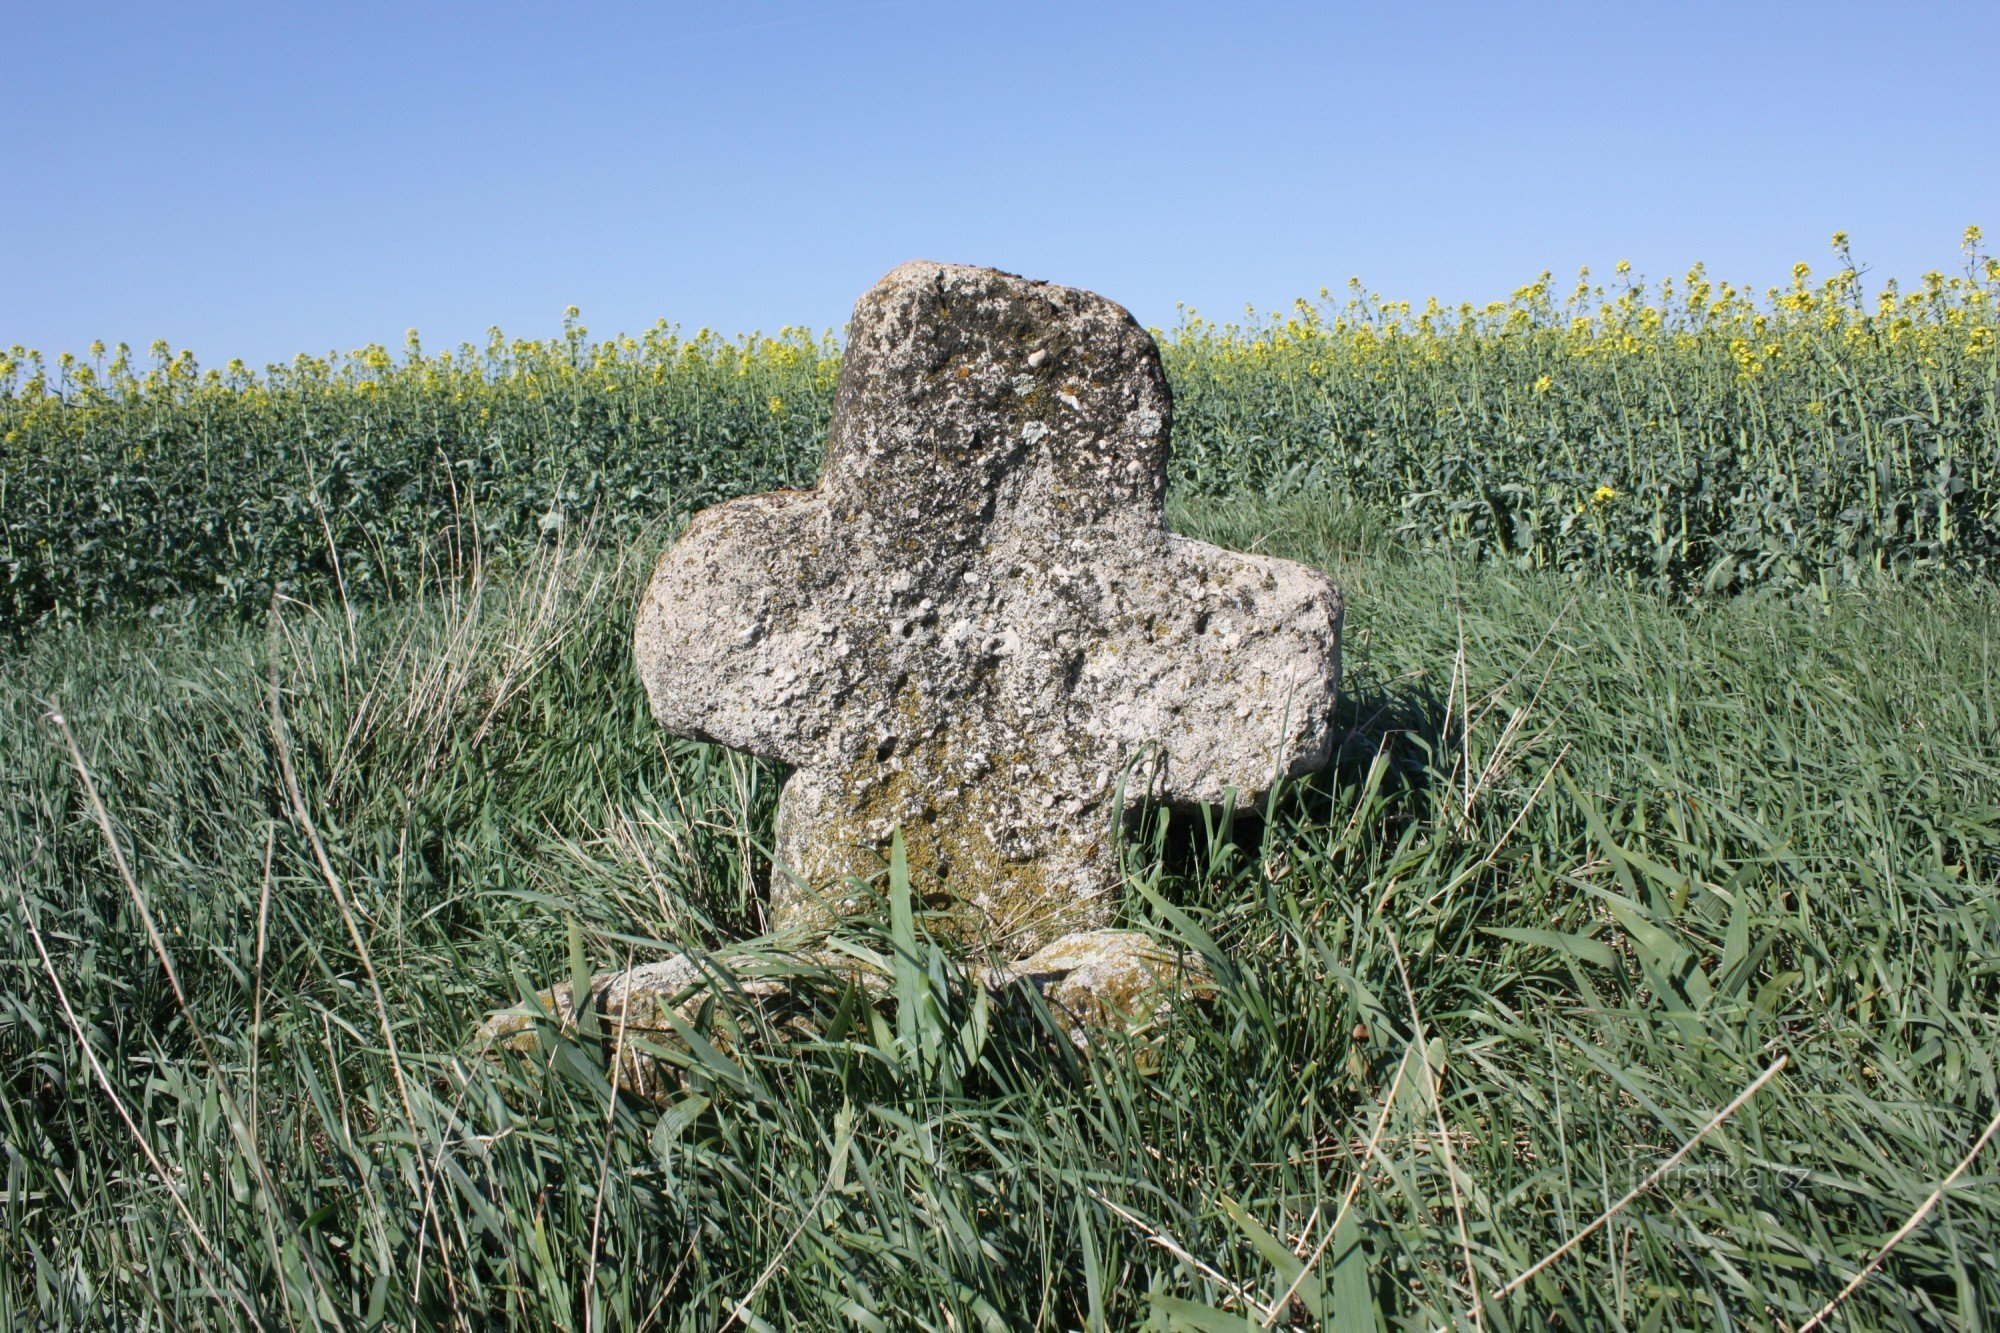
1393	741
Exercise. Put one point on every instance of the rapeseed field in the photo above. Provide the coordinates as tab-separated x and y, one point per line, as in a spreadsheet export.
1693	437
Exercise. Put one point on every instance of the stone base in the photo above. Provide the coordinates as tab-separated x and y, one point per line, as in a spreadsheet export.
1094	982
1102	981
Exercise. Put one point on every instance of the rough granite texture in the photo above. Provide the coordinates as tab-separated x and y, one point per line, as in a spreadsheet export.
976	625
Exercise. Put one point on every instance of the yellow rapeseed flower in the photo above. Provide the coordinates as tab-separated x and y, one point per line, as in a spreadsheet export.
1603	495
1543	384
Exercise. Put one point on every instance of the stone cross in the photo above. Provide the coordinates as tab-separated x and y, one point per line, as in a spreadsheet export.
976	624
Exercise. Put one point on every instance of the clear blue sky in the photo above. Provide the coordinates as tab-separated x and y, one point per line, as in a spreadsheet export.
262	179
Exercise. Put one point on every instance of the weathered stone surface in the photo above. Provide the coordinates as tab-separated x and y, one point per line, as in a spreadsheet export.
976	623
1098	981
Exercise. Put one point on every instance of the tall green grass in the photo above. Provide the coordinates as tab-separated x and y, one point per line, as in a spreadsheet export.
1693	438
1588	865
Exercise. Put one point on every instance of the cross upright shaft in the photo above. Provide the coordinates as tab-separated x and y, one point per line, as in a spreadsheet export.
977	619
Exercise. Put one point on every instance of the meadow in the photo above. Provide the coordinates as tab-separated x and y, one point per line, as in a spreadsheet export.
1657	874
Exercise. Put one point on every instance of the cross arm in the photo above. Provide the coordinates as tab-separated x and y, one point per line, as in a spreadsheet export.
729	637
1226	664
